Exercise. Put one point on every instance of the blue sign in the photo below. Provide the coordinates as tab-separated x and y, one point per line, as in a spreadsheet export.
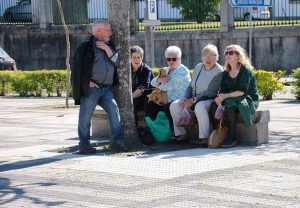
251	3
152	6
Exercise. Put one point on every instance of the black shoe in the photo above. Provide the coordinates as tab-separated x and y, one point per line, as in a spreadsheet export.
229	142
87	149
119	147
203	142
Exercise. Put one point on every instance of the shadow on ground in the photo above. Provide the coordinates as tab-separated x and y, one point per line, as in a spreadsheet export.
11	193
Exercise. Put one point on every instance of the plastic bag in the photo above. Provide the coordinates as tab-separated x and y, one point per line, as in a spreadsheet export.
160	127
220	112
185	120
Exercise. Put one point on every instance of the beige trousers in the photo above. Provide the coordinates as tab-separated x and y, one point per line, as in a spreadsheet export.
201	111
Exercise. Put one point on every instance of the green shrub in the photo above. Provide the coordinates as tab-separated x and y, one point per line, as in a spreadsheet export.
33	83
268	83
5	82
296	83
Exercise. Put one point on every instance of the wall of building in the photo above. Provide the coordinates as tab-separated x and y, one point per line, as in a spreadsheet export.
34	48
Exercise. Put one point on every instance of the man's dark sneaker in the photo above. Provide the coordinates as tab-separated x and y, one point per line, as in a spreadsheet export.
87	149
229	142
119	147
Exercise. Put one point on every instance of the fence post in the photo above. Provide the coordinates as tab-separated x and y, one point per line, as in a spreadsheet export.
133	16
226	16
149	39
45	14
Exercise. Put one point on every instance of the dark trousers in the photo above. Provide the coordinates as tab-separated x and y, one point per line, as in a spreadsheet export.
152	110
230	121
230	118
139	104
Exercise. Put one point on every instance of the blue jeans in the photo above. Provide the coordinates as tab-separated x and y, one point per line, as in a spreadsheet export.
102	96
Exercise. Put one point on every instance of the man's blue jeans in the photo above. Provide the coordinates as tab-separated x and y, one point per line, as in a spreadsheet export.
102	96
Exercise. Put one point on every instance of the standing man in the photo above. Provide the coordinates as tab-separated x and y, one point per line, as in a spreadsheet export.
93	73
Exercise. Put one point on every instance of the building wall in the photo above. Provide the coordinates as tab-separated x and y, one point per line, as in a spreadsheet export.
34	48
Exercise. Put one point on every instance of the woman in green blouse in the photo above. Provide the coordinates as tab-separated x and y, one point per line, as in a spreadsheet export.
238	92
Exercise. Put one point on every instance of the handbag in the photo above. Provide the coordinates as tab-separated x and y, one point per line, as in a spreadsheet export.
218	135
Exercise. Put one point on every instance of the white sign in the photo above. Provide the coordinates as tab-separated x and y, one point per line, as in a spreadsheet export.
152	10
251	3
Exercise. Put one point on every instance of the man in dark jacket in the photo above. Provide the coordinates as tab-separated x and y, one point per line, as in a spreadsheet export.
93	74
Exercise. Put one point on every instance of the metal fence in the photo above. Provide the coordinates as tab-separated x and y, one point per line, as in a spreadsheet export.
283	12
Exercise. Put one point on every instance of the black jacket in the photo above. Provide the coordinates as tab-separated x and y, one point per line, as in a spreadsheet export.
82	67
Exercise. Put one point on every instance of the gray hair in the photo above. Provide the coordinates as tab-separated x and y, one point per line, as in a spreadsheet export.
210	48
173	49
99	22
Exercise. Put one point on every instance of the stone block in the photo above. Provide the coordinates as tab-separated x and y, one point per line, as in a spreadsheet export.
256	134
100	124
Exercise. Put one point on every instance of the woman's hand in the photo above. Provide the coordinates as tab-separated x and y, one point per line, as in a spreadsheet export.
219	100
186	102
189	102
163	80
137	93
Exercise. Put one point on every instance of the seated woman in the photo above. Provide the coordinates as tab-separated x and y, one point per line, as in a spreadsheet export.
205	84
141	75
238	92
174	83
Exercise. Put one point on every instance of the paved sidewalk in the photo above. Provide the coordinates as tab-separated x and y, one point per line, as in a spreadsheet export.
33	174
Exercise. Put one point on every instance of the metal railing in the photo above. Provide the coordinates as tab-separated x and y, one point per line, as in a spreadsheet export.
283	12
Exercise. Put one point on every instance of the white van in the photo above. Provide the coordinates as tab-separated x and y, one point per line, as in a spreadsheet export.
243	13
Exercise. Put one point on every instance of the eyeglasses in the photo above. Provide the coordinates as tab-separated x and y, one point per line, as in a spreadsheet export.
231	53
171	59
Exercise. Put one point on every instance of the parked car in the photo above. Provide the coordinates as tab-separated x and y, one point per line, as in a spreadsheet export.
20	12
243	13
6	62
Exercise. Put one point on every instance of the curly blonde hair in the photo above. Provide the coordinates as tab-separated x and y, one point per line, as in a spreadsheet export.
243	58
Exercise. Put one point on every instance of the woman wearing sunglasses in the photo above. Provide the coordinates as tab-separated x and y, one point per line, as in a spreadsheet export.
175	83
205	84
238	92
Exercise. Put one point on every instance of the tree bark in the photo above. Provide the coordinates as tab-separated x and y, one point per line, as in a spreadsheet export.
119	17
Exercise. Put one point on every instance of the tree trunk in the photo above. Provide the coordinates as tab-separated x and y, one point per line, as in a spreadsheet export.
62	18
118	17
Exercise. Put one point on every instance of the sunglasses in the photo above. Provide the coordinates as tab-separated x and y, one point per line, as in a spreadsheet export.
171	59
231	53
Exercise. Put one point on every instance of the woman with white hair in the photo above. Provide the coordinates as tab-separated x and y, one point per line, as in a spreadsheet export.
174	83
199	95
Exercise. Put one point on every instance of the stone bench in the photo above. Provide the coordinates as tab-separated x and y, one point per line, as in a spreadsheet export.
256	134
101	126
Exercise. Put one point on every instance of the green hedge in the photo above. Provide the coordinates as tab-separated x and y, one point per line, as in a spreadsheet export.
268	82
33	83
50	82
296	83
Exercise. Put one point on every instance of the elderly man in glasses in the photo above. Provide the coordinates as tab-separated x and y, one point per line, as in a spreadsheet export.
174	83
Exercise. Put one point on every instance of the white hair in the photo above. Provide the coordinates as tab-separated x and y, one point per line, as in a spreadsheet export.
210	48
173	49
